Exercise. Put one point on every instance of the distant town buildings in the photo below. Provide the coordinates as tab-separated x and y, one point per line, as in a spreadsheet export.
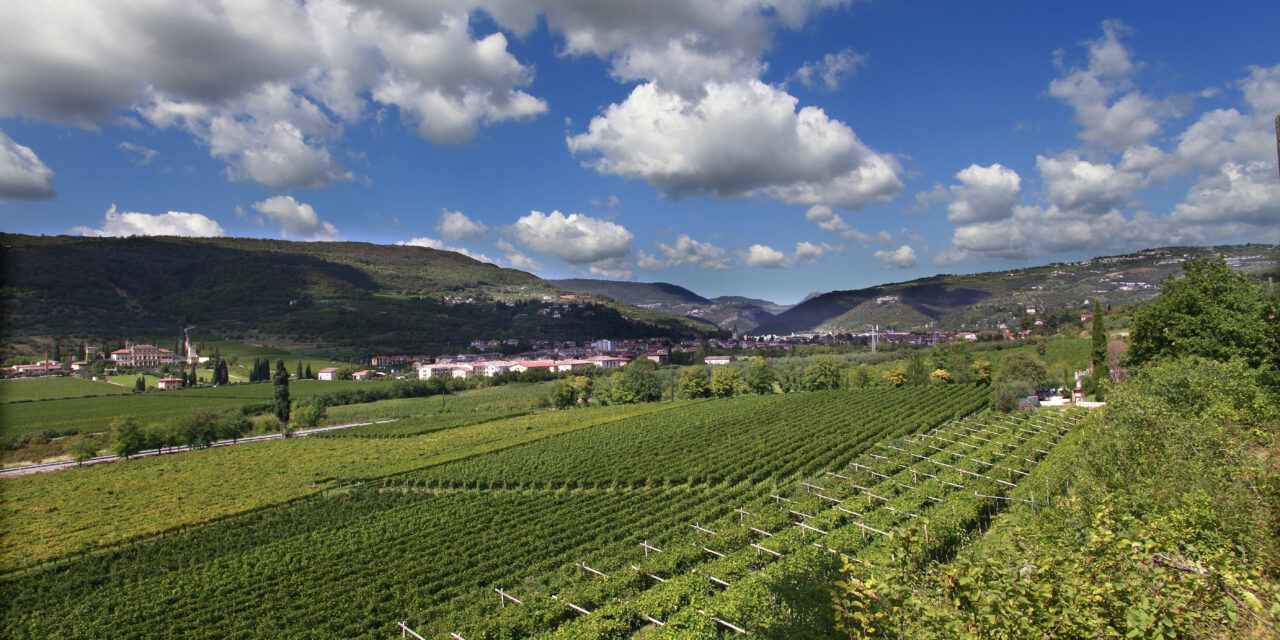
139	356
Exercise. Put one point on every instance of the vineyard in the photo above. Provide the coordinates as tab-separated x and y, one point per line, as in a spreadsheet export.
92	414
428	540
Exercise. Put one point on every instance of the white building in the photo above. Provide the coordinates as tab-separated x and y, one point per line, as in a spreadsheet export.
330	373
718	360
144	355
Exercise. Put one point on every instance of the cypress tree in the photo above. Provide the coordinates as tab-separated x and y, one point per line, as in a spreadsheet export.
299	374
309	376
282	408
1099	331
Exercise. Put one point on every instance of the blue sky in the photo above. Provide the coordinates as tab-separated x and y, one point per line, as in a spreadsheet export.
748	147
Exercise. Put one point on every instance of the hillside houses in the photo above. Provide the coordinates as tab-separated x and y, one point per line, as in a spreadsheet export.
491	368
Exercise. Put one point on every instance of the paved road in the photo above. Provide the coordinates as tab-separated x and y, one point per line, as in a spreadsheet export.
54	466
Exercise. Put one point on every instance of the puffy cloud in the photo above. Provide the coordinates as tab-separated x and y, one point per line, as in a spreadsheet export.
297	220
516	258
173	223
758	255
810	253
740	139
1127	120
686	251
831	70
903	257
433	243
985	194
680	44
455	225
828	220
22	175
1074	184
1246	193
575	238
206	66
613	269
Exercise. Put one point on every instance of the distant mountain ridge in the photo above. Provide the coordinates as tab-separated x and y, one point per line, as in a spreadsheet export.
987	300
343	296
726	312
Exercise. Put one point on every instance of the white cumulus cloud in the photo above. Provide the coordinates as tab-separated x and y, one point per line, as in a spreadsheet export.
296	220
22	175
686	251
575	238
984	194
903	257
174	223
759	255
739	139
455	225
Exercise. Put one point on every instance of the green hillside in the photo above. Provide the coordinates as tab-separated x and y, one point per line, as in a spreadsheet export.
986	300
725	312
335	297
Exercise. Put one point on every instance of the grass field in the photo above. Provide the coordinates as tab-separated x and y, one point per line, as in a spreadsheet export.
93	414
54	388
243	354
48	515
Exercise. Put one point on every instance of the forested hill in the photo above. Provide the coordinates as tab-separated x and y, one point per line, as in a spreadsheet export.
986	300
727	312
634	293
345	296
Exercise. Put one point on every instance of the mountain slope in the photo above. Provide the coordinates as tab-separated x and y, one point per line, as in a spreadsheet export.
726	312
343	296
633	293
987	300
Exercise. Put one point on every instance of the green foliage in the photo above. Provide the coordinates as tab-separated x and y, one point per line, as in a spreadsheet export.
1008	394
940	376
1213	312
725	382
822	373
695	382
895	377
637	382
83	448
280	384
1023	367
140	385
760	376
128	437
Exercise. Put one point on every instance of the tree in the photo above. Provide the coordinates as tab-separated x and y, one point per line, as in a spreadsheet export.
695	382
235	427
792	379
282	407
308	372
1024	367
582	388
822	373
1214	312
298	375
309	414
83	449
562	396
1099	351
940	376
862	376
637	383
725	382
981	372
57	351
1041	347
128	438
917	369
896	376
140	384
760	376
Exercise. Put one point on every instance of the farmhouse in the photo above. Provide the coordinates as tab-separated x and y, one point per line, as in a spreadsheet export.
169	384
718	360
329	373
